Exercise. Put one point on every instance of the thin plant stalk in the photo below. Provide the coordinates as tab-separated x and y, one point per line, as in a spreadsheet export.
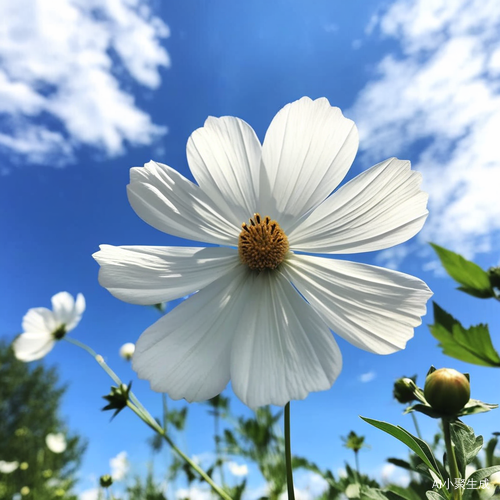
288	455
415	423
135	405
452	459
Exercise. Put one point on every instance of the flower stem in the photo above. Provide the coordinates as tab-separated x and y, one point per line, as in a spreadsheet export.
154	425
288	455
415	423
136	406
452	459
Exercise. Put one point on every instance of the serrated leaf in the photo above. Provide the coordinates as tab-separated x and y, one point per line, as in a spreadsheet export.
421	448
472	345
467	444
465	272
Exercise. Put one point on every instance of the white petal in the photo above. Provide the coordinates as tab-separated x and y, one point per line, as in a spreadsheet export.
150	275
66	311
30	346
282	349
307	151
379	208
224	156
186	352
169	202
40	320
8	467
56	442
373	308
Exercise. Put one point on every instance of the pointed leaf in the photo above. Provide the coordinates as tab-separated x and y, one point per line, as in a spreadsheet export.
421	448
469	275
476	478
472	345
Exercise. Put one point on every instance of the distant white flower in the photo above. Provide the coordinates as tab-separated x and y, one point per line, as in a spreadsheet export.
264	206
43	327
8	467
56	442
127	351
119	466
237	470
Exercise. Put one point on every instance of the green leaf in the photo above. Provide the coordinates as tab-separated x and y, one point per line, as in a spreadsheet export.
421	448
489	451
475	478
472	345
467	444
406	493
434	495
473	279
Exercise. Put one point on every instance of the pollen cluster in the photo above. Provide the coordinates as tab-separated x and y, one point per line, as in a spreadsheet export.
262	244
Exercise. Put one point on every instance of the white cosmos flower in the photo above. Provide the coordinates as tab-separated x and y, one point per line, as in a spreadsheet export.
249	322
56	443
127	351
43	327
8	467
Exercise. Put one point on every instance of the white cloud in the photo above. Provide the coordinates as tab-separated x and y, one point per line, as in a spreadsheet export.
307	486
92	494
236	469
62	66
395	475
119	466
441	95
194	493
367	377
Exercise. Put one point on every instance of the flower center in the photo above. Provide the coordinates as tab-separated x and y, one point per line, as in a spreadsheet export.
262	244
59	333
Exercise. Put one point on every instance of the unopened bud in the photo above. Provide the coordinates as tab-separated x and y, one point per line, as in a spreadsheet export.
403	390
127	351
447	391
106	481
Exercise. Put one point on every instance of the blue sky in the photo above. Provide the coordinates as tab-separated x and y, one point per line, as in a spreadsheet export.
90	89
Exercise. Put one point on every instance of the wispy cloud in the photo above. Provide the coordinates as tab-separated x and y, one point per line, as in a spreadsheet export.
367	377
64	64
440	96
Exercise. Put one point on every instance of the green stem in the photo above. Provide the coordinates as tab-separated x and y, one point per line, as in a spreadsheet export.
356	458
288	454
452	459
415	423
154	425
135	405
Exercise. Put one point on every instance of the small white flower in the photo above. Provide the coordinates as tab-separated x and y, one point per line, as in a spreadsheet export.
264	206
8	467
43	327
236	469
127	351
56	442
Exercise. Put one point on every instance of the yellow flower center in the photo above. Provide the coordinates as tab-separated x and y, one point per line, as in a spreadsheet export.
262	244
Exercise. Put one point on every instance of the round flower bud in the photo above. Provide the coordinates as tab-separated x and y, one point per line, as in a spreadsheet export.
25	491
24	465
106	481
403	390
447	391
127	351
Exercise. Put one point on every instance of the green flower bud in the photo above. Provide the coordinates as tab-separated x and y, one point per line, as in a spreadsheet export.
106	481
494	276
404	390
447	391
